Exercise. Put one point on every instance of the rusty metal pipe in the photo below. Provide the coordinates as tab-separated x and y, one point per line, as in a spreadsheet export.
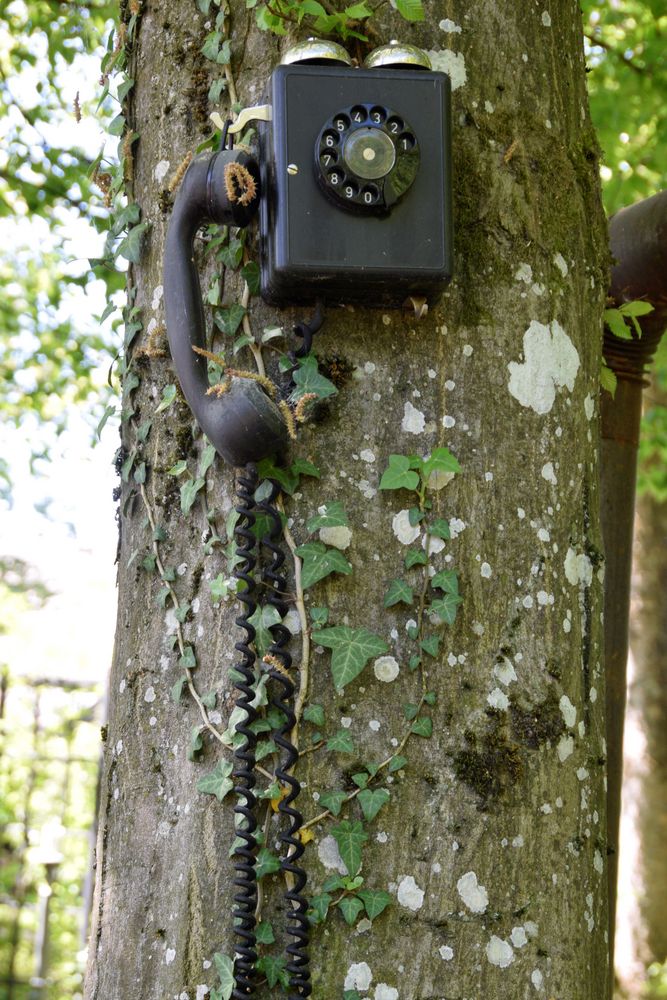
638	239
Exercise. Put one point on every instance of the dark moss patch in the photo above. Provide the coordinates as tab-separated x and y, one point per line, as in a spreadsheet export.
536	724
490	764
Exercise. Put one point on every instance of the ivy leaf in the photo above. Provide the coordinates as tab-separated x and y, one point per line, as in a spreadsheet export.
301	467
441	460
319	616
350	837
371	801
410	710
264	748
314	714
189	493
342	742
411	10
319	561
445	608
168	397
224	966
351	995
422	726
177	689
399	592
187	660
207	459
264	618
264	933
251	274
287	479
130	246
375	901
320	907
229	319
360	779
333	883
178	469
307	379
399	476
415	557
274	970
196	743
218	782
351	649
415	515
439	528
446	580
397	763
333	801
267	862
431	645
219	587
330	515
350	907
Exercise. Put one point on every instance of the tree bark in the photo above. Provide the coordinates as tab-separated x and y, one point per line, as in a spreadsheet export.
493	843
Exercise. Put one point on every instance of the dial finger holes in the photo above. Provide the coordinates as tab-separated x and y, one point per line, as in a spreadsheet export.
341	123
378	115
370	194
330	140
358	114
350	190
406	142
335	178
329	158
395	126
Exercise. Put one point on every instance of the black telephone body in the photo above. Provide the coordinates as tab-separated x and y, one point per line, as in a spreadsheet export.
356	180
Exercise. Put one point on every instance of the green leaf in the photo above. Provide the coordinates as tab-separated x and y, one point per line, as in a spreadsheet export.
342	742
168	397
431	645
614	320
319	616
117	125
301	467
307	378
608	379
333	801
410	710
371	801
130	246
351	649
399	476
399	592
187	660
414	661
178	469
264	748
350	907
350	837
267	470
446	580
330	515
335	882
430	697
264	618
411	10
274	970
189	493
264	933
361	779
415	515
351	995
219	587
267	862
251	275
206	460
320	561
375	901
441	460
314	714
224	966
439	528
320	907
218	782
229	319
196	742
177	689
397	763
445	608
422	726
415	557
636	308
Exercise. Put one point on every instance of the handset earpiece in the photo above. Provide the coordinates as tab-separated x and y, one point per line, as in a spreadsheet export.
243	425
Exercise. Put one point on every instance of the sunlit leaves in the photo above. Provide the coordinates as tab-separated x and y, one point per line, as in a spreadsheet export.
351	649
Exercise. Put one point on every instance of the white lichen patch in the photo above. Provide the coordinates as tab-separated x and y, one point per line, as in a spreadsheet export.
202	991
598	863
578	568
384	992
474	895
359	977
446	953
551	361
149	695
367	456
547	473
169	956
451	27
568	711
329	855
456	526
414	420
158	292
524	273
292	622
386	669
565	748
505	671
409	894
404	531
339	536
589	407
499	952
561	264
486	571
448	422
546	18
498	700
518	937
161	170
451	63
537	979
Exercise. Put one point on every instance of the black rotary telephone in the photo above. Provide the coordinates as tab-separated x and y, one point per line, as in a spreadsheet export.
353	189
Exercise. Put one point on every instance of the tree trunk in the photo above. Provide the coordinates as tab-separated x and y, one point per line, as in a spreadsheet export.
493	842
648	700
